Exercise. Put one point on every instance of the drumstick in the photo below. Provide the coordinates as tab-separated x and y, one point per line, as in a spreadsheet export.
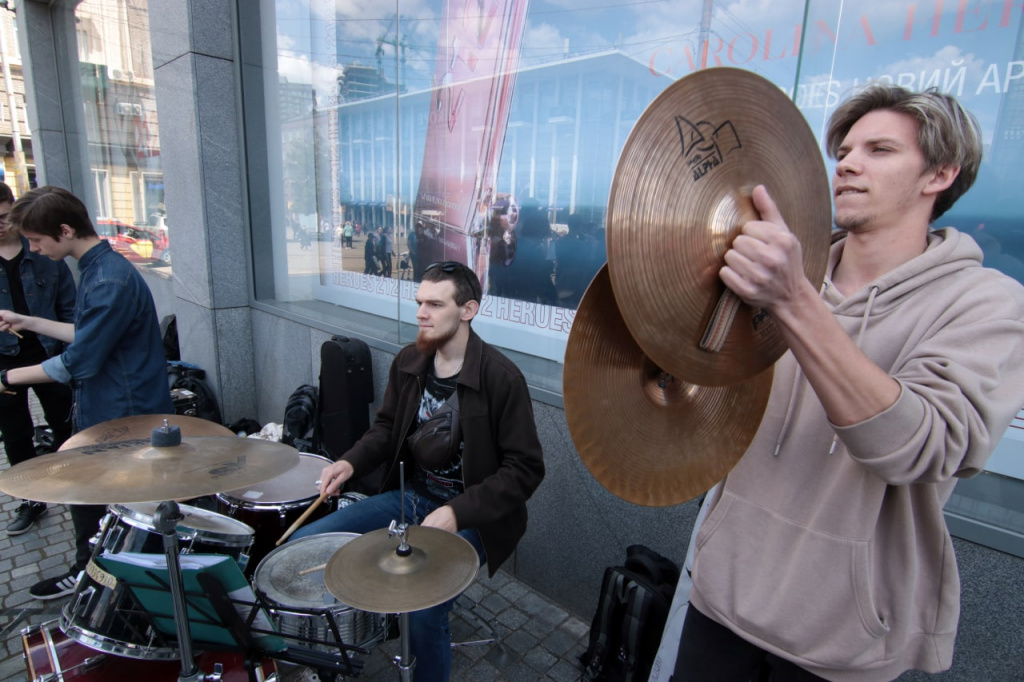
311	570
15	333
298	522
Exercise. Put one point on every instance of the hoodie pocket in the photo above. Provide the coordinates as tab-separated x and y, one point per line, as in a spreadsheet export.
800	590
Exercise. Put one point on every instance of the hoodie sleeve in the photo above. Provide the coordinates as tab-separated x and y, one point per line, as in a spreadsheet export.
961	382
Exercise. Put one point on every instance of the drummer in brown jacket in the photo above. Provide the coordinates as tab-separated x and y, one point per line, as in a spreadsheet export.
458	414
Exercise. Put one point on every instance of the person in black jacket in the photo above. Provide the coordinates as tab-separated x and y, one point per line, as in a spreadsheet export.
476	481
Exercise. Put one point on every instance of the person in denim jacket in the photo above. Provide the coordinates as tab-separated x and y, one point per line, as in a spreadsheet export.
31	284
114	361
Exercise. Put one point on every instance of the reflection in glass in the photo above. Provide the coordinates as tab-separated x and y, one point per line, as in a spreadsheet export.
116	68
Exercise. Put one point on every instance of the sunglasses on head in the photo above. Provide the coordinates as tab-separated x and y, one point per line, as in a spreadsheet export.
450	266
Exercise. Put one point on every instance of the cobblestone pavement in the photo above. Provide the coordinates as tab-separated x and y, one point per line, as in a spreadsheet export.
502	629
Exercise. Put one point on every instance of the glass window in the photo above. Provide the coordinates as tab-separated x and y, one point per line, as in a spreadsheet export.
474	131
101	182
115	63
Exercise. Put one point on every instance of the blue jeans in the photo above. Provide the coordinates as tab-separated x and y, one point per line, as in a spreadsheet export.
430	637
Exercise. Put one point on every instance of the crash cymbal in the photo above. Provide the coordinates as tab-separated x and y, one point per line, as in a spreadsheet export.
367	573
680	194
646	435
136	471
140	426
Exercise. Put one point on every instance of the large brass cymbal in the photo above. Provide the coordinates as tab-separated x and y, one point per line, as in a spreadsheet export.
367	573
680	194
135	471
140	426
646	435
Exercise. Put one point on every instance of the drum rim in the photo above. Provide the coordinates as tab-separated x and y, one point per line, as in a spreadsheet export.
244	536
292	545
228	496
109	645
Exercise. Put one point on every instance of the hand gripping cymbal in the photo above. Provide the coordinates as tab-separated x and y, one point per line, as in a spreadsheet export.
680	194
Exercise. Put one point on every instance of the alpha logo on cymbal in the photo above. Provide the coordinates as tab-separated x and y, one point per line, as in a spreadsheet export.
705	145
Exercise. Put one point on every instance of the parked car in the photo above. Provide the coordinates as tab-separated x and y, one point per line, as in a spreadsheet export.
139	244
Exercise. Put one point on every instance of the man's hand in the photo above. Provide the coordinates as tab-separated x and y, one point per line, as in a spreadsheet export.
11	321
334	475
765	267
443	518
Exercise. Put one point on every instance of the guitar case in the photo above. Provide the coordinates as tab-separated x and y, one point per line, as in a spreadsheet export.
346	392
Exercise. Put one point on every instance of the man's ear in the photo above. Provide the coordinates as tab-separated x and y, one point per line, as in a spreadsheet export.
941	179
66	231
469	310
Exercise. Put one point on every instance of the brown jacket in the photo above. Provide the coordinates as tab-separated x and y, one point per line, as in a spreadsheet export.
502	463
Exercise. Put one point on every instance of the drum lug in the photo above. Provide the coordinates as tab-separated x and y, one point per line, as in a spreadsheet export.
84	595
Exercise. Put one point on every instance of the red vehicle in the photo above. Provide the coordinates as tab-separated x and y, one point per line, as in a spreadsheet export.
138	244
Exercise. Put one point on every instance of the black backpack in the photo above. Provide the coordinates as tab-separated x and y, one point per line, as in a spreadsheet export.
631	614
300	419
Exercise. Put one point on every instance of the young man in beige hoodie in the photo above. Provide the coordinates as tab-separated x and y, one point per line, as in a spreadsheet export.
825	554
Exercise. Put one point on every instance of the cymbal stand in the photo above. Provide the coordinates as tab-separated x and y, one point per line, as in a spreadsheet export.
166	519
405	662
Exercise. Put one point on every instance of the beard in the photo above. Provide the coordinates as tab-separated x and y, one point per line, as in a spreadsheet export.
428	345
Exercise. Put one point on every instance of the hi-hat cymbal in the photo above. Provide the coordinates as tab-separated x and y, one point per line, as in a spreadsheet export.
680	195
135	471
646	435
140	426
367	573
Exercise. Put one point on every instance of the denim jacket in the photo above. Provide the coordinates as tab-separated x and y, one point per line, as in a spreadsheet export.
49	292
116	364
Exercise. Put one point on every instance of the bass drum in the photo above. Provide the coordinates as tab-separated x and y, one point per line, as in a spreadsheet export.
50	656
106	618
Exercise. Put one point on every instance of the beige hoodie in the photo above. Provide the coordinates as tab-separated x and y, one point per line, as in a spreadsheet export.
826	545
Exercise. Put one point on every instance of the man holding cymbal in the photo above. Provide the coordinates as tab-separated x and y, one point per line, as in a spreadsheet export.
458	414
825	553
114	361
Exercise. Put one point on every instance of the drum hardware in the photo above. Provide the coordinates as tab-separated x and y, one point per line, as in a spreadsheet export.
370	573
107	618
50	656
166	466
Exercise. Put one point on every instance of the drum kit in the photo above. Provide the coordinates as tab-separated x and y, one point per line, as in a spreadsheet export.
329	596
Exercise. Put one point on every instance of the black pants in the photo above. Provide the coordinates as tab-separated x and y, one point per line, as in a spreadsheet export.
16	427
713	653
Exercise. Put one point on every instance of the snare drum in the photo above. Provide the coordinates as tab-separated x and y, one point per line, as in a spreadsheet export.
300	604
271	507
51	657
106	619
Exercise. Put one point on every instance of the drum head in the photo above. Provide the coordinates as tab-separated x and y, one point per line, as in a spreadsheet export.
278	576
294	485
196	522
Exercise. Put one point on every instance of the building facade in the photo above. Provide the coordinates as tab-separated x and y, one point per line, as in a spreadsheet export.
283	120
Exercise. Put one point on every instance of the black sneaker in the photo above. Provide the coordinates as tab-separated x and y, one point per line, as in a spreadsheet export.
26	515
55	588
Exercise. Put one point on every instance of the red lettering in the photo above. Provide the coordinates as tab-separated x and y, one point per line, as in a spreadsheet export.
867	29
937	19
909	28
753	48
824	30
1004	21
654	69
961	14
